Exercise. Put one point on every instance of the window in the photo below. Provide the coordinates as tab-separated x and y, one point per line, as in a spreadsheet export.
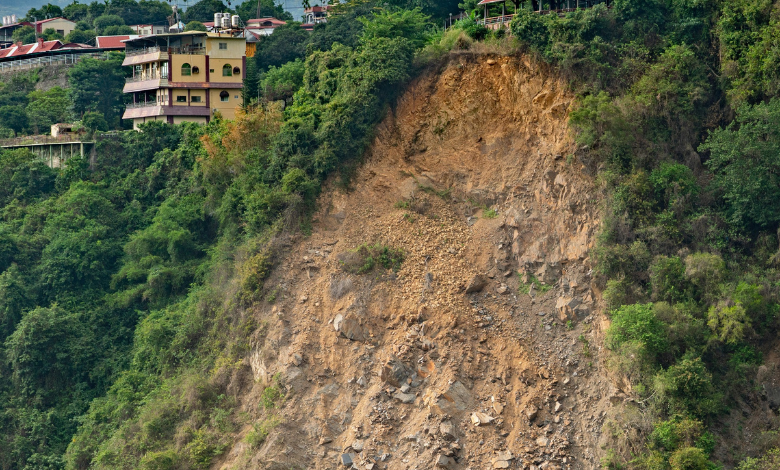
224	96
186	70
181	99
236	71
195	70
195	99
227	70
223	46
61	32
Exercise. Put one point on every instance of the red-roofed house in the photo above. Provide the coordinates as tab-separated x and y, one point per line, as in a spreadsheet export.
315	15
112	42
263	26
24	49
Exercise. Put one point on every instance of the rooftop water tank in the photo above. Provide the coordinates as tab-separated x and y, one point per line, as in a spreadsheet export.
217	20
234	21
226	22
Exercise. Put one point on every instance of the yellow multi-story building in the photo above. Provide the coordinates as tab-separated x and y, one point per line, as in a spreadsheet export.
184	77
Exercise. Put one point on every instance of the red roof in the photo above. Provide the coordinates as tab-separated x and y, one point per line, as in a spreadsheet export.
265	22
40	46
485	2
111	42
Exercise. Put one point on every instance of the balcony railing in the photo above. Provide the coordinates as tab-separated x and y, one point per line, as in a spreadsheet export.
186	50
41	140
144	78
145	50
145	104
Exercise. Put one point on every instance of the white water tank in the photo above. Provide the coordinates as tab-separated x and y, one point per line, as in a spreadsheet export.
226	22
5	20
234	21
217	20
13	19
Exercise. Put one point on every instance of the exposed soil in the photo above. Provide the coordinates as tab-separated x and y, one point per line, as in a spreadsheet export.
478	352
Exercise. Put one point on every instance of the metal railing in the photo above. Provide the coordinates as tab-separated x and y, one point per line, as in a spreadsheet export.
506	19
59	59
41	140
144	104
145	50
187	50
144	78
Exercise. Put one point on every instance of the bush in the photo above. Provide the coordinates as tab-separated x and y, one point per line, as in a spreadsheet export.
366	258
638	323
667	276
689	458
686	388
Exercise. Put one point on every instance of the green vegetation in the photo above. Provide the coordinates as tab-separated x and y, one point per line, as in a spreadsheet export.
118	335
687	253
94	96
532	282
365	258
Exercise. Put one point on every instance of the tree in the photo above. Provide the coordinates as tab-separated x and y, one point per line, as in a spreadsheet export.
286	44
76	11
280	83
96	85
25	35
46	11
50	34
46	108
248	10
204	10
79	36
104	21
195	26
744	160
117	30
14	118
94	121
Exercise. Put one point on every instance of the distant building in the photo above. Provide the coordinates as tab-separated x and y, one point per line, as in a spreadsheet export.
315	15
263	26
149	29
187	76
45	53
115	43
61	25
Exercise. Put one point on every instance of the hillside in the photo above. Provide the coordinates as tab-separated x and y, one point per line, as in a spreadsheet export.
552	246
469	178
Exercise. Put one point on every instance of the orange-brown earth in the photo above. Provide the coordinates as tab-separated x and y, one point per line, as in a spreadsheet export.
459	359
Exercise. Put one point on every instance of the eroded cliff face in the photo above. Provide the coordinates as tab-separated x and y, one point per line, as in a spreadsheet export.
475	354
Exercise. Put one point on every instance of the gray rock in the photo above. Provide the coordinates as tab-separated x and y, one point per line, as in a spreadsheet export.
447	431
405	397
443	461
395	372
337	322
405	388
351	329
477	283
357	446
348	460
532	412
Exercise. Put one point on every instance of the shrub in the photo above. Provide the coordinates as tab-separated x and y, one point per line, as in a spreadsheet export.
366	258
667	276
163	460
638	323
689	458
687	388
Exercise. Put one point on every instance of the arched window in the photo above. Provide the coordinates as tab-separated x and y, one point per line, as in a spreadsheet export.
195	70
224	96
227	70
186	70
236	71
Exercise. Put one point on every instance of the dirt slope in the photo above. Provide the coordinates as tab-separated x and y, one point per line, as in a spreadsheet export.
393	369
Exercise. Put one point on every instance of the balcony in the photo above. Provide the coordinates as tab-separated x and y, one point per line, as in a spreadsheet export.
155	108
143	56
144	82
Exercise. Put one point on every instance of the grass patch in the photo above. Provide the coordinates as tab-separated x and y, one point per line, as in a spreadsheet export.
367	258
261	430
489	213
444	194
402	205
525	287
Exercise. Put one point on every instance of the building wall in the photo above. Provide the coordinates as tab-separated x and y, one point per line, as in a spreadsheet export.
196	119
226	108
216	65
137	122
195	60
236	47
63	25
